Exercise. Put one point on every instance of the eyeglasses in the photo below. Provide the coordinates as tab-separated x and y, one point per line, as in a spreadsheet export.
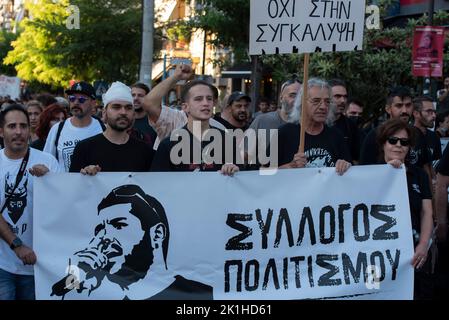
80	99
403	141
429	111
316	102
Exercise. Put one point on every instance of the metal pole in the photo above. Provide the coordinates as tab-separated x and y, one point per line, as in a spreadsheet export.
146	61
203	70
164	74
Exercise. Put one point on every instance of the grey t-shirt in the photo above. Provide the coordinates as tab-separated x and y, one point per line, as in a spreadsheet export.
266	121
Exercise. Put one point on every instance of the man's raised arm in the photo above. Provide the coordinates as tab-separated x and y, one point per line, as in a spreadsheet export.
152	102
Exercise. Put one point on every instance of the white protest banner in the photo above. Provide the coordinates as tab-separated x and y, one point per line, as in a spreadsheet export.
9	86
306	26
298	234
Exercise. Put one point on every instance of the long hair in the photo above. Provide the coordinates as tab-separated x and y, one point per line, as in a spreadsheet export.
49	113
295	115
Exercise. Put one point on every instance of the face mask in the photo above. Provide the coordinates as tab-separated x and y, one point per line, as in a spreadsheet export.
355	119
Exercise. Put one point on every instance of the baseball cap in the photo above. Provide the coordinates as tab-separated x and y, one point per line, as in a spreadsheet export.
237	95
82	87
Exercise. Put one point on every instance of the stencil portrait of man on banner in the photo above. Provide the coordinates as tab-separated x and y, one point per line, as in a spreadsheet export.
128	253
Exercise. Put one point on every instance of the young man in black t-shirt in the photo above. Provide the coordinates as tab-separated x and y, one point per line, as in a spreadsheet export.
114	149
324	146
191	150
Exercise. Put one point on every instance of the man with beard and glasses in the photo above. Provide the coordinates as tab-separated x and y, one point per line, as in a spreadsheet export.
63	137
428	147
114	149
425	116
399	106
235	114
273	120
127	256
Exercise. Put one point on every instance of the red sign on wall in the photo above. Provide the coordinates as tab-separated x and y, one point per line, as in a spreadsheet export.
410	2
428	51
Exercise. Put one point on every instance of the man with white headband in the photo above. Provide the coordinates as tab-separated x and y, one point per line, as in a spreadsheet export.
114	150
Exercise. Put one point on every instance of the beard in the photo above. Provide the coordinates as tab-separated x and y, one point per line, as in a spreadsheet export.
286	107
136	264
116	127
240	116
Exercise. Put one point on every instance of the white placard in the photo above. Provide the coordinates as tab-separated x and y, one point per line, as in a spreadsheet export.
300	26
9	86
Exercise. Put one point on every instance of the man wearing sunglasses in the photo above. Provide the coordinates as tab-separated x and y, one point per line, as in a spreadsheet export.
63	137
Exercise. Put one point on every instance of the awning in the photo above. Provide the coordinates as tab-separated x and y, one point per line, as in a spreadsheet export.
164	9
241	71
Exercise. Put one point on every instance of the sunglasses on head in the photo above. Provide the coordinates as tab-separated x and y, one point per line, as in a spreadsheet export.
403	141
80	99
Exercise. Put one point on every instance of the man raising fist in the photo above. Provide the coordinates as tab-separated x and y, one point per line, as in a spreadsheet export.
164	118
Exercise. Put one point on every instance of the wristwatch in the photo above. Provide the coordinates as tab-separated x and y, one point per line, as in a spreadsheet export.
16	243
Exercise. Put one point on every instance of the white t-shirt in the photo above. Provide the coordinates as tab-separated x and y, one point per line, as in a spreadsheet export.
69	138
18	214
171	119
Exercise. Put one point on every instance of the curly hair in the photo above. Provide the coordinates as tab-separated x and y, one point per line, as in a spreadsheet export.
49	113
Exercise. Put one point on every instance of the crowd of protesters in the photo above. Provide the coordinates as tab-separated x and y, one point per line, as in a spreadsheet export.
135	132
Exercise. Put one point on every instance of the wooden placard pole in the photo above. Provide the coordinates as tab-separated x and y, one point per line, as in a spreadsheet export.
304	116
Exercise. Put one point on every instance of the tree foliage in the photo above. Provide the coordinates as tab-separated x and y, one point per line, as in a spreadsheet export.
228	21
106	46
6	39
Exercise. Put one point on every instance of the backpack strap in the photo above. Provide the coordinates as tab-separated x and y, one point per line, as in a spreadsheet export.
58	134
101	122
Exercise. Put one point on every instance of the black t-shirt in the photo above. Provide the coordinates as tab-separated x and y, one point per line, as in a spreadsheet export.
434	145
226	124
369	152
419	155
443	164
38	144
418	190
145	131
163	162
133	156
322	150
351	135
